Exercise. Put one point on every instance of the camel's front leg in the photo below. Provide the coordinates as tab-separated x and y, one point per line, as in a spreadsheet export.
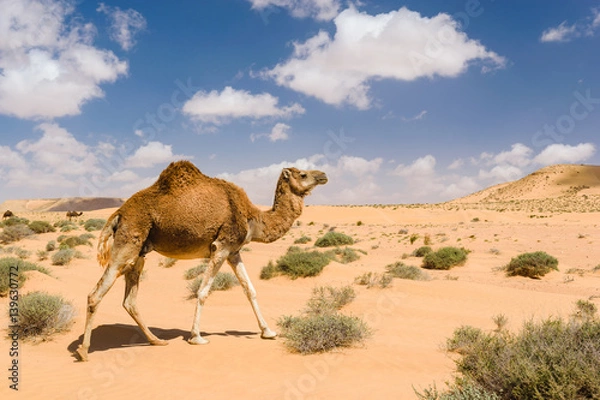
218	256
240	271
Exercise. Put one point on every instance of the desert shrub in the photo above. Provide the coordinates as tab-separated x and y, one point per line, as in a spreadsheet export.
445	258
222	281
403	271
413	238
297	263
65	226
334	239
41	314
14	233
321	327
422	251
51	245
345	255
22	253
8	265
167	262
359	223
269	271
327	299
194	271
586	310
456	392
549	359
532	265
74	241
42	255
41	227
64	256
302	240
14	220
374	279
94	224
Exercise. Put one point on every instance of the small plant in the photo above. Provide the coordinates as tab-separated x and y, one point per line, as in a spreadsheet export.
94	224
14	265
14	220
427	240
333	238
494	251
222	281
422	251
476	219
42	255
532	265
345	255
64	256
586	310
327	299
22	253
374	279
297	263
269	271
41	314
14	233
194	272
51	245
445	258
65	226
403	271
413	238
403	232
359	223
74	241
167	262
41	227
302	240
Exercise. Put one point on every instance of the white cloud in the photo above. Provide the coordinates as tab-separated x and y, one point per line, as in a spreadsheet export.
399	45
279	132
416	117
562	153
421	167
323	10
49	66
151	154
565	33
220	107
359	166
519	155
456	164
501	173
124	25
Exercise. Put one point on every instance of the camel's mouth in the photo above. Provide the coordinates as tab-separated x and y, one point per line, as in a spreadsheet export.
321	179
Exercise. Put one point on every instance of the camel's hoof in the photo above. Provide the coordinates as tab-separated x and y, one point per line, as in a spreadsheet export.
81	354
159	342
197	340
268	334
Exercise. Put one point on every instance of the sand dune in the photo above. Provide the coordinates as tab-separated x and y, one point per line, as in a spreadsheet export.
410	320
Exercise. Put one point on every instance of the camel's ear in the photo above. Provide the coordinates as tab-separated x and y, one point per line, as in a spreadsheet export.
286	173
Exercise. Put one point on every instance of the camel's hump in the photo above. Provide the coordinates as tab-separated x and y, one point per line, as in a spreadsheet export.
179	174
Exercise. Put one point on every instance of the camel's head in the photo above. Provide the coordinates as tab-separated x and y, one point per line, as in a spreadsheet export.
302	182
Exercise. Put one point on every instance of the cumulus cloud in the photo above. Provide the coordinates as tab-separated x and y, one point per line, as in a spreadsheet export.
323	10
151	154
124	25
563	153
565	32
400	45
421	167
221	107
279	132
50	67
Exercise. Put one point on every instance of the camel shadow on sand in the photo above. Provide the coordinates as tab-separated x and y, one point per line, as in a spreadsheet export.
113	336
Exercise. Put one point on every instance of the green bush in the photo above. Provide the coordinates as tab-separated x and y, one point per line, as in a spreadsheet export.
94	224
532	265
14	220
41	314
445	258
345	255
297	263
74	241
269	271
550	359
455	392
422	251
334	239
403	271
21	266
51	245
64	256
321	327
222	281
41	227
374	279
302	240
194	272
65	226
14	233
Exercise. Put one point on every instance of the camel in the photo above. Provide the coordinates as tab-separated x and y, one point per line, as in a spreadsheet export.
186	215
71	214
8	214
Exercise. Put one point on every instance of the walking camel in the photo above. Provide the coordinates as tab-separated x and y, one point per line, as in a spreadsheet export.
71	214
186	214
7	214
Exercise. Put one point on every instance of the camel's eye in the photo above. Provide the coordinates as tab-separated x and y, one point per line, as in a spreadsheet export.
303	175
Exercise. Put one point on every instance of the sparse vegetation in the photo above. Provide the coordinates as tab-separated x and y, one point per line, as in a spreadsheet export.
18	266
65	225
64	256
321	327
222	281
334	239
297	263
41	314
345	255
302	240
422	251
194	271
532	265
74	241
41	227
413	238
445	258
374	279
51	245
94	224
403	271
167	262
14	233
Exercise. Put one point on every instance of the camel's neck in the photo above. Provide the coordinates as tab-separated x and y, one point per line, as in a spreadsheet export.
275	222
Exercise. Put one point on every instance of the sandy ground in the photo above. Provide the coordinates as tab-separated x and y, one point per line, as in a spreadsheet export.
410	320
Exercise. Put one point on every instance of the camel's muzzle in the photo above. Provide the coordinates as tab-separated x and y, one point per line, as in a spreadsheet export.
321	179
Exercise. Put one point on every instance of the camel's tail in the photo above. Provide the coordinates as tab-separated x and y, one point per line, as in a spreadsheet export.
105	241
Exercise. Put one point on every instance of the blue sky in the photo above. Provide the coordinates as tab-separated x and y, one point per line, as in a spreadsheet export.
398	101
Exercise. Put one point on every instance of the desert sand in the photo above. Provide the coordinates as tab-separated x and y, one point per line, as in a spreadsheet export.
410	320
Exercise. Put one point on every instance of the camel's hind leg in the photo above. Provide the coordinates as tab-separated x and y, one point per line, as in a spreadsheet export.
132	280
94	298
240	271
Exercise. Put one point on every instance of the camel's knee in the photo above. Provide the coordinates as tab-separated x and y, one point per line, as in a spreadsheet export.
92	302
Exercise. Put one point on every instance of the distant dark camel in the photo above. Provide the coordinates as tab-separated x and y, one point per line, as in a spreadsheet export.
8	214
71	214
186	214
